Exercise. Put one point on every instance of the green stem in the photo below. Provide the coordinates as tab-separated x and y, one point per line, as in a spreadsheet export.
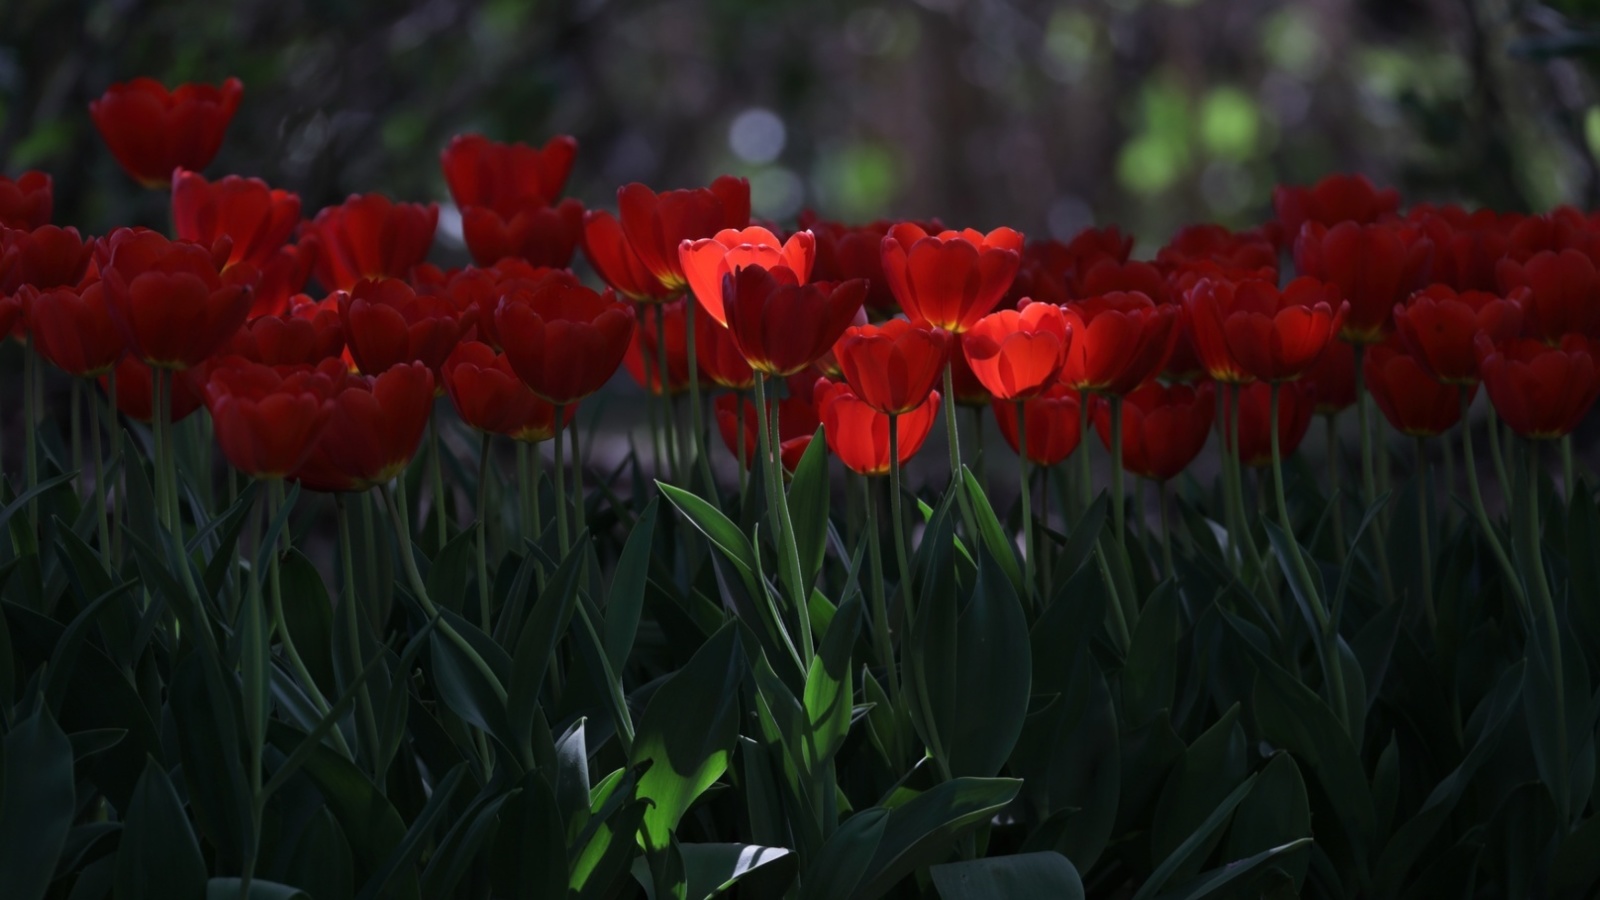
652	399
744	450
1085	467
695	420
1481	512
1496	455
483	543
30	425
1369	477
441	500
1424	513
881	640
1166	530
581	512
75	413
562	535
901	557
347	608
671	429
1247	541
1552	628
100	492
1043	546
1027	513
1331	430
980	443
1119	513
967	520
1568	470
280	622
778	512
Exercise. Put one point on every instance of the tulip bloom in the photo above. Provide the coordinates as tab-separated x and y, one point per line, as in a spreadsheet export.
843	253
1163	428
477	292
1052	420
376	427
1296	404
387	323
1560	294
1439	327
858	434
782	326
257	219
1541	391
370	236
1336	198
267	421
1333	378
135	389
1015	355
309	334
615	261
284	275
168	300
72	329
643	359
152	131
46	257
706	263
892	367
26	201
1413	401
1272	335
797	424
964	384
541	235
656	225
720	360
1119	341
505	177
564	340
491	399
952	279
1373	266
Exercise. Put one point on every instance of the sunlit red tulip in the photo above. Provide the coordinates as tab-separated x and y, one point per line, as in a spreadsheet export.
782	326
310	333
1440	328
1541	391
564	340
152	131
371	236
1119	341
541	235
168	300
506	177
1561	294
1052	419
375	429
26	201
267	421
707	262
257	219
721	361
387	323
656	225
797	424
135	389
1014	354
893	366
72	329
490	398
952	279
858	434
1373	266
1411	399
1296	404
1163	428
615	261
643	359
1336	198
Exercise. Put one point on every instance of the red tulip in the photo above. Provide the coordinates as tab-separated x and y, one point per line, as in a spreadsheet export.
797	424
152	131
490	398
721	361
541	235
387	323
505	178
615	261
1439	327
892	367
564	340
1466	246
46	257
26	201
643	359
1109	276
309	334
952	279
1163	428
1373	266
1333	378
1336	198
284	275
1562	228
707	262
370	236
72	329
843	253
1273	335
782	326
1561	293
1410	398
858	434
1052	418
168	300
1296	403
1017	354
375	430
135	389
965	385
477	292
254	217
1119	341
267	420
656	225
1207	246
1541	391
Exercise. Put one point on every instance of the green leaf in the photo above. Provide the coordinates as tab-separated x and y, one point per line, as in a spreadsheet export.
687	732
1026	876
1210	769
842	862
923	829
808	496
1276	813
600	856
158	857
529	860
37	800
462	686
995	538
1217	879
401	861
626	598
713	868
830	689
462	844
452	570
720	530
232	889
1150	678
993	677
309	615
319	860
1202	835
1577	861
552	613
203	708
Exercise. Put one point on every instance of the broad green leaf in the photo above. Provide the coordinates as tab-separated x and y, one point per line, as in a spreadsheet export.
37	802
720	530
687	732
319	860
233	889
808	496
993	677
995	538
209	744
461	845
1026	876
1276	813
309	613
839	867
158	856
1520	840
551	615
1202	835
924	829
1210	769
1577	860
529	859
401	861
451	571
713	868
1213	882
830	689
626	598
1149	680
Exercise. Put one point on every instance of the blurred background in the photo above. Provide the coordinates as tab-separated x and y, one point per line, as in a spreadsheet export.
1044	116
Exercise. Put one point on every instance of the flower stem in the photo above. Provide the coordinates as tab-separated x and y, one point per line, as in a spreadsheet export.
483	542
1085	467
956	482
1569	482
280	622
1331	431
348	604
744	449
671	426
901	557
881	639
1166	530
1029	587
1552	628
562	535
581	513
75	413
30	425
100	492
1247	542
1496	455
441	502
652	398
1119	515
695	420
1369	477
1424	513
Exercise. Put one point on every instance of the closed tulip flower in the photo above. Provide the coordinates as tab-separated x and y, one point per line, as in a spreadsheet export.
504	177
46	257
173	308
1541	391
1274	335
152	131
952	279
491	399
1296	404
1372	266
1336	198
135	389
1015	355
72	329
721	361
1052	423
657	225
369	237
1559	293
1413	401
375	429
257	219
305	336
541	235
387	323
1163	428
1119	341
564	340
858	434
782	326
267	420
1440	327
26	201
616	262
707	262
893	366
